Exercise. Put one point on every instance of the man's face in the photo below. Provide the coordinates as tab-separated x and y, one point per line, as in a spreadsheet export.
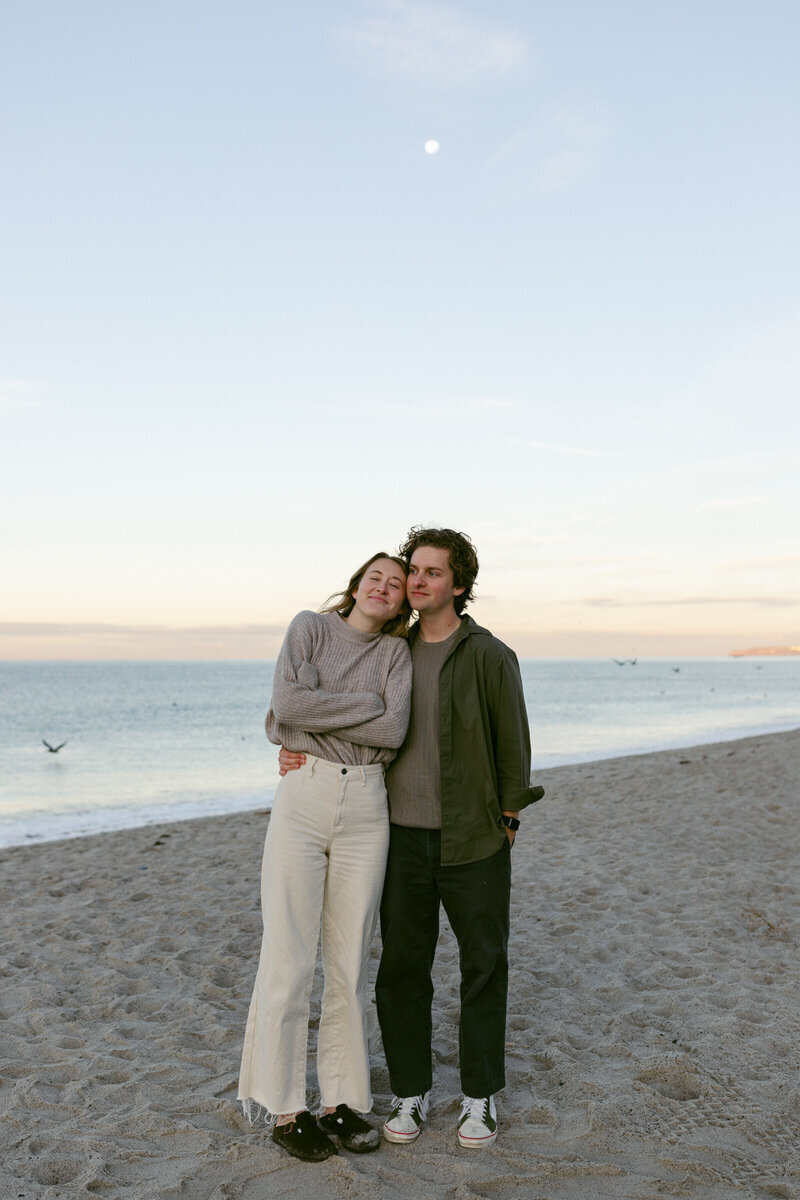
430	581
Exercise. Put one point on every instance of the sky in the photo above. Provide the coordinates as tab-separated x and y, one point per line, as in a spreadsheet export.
251	330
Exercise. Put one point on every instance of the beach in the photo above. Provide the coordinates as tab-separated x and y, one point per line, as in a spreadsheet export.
653	1036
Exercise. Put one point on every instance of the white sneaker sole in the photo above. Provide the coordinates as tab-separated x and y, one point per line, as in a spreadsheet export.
400	1138
476	1143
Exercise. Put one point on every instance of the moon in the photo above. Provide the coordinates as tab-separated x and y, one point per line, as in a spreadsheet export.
432	146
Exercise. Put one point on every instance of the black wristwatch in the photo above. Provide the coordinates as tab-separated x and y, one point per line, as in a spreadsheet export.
511	822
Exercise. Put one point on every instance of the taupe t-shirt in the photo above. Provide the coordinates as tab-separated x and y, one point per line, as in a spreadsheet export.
412	780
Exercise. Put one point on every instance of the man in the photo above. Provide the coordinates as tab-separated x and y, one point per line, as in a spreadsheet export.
455	792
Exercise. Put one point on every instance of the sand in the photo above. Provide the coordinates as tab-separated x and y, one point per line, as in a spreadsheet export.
654	1016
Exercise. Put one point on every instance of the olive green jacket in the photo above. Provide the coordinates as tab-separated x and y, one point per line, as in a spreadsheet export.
484	744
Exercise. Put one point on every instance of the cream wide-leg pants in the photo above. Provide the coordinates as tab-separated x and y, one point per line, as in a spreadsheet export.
324	863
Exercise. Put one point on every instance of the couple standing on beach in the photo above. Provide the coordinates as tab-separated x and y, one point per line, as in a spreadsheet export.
453	752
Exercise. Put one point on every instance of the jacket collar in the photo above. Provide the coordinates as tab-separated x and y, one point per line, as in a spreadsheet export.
467	629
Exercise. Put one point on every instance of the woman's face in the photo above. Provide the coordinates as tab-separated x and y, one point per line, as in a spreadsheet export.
381	592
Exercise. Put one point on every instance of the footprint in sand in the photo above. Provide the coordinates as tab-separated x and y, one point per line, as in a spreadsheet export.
672	1080
57	1169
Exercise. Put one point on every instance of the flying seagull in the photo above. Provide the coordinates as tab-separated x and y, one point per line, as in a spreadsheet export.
53	749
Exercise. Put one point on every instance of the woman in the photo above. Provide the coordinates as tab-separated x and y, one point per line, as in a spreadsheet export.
341	695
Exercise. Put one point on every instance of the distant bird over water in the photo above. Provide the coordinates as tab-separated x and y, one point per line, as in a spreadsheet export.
54	749
624	662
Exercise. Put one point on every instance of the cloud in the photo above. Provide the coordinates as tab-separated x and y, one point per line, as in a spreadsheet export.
734	471
19	395
557	448
692	601
543	562
74	629
466	407
558	147
591	643
521	540
610	561
428	43
734	502
34	640
493	402
791	561
506	548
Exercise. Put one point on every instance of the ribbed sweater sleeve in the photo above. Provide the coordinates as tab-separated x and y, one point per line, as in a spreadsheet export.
390	728
297	698
338	693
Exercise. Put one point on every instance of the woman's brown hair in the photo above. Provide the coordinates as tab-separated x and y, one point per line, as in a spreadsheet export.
344	602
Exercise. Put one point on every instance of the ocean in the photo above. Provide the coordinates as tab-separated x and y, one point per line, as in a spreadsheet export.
158	741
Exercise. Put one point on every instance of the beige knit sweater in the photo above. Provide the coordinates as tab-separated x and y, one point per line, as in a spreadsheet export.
338	693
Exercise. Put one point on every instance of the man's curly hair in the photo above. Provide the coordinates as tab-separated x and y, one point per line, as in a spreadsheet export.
462	557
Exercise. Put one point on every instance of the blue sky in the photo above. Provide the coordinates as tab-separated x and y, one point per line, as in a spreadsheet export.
252	331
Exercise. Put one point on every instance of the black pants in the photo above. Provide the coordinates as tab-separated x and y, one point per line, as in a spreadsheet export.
476	899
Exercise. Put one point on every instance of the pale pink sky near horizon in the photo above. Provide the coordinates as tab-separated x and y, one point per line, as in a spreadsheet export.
113	643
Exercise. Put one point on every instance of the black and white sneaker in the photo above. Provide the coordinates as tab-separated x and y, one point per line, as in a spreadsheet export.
353	1132
405	1120
477	1125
